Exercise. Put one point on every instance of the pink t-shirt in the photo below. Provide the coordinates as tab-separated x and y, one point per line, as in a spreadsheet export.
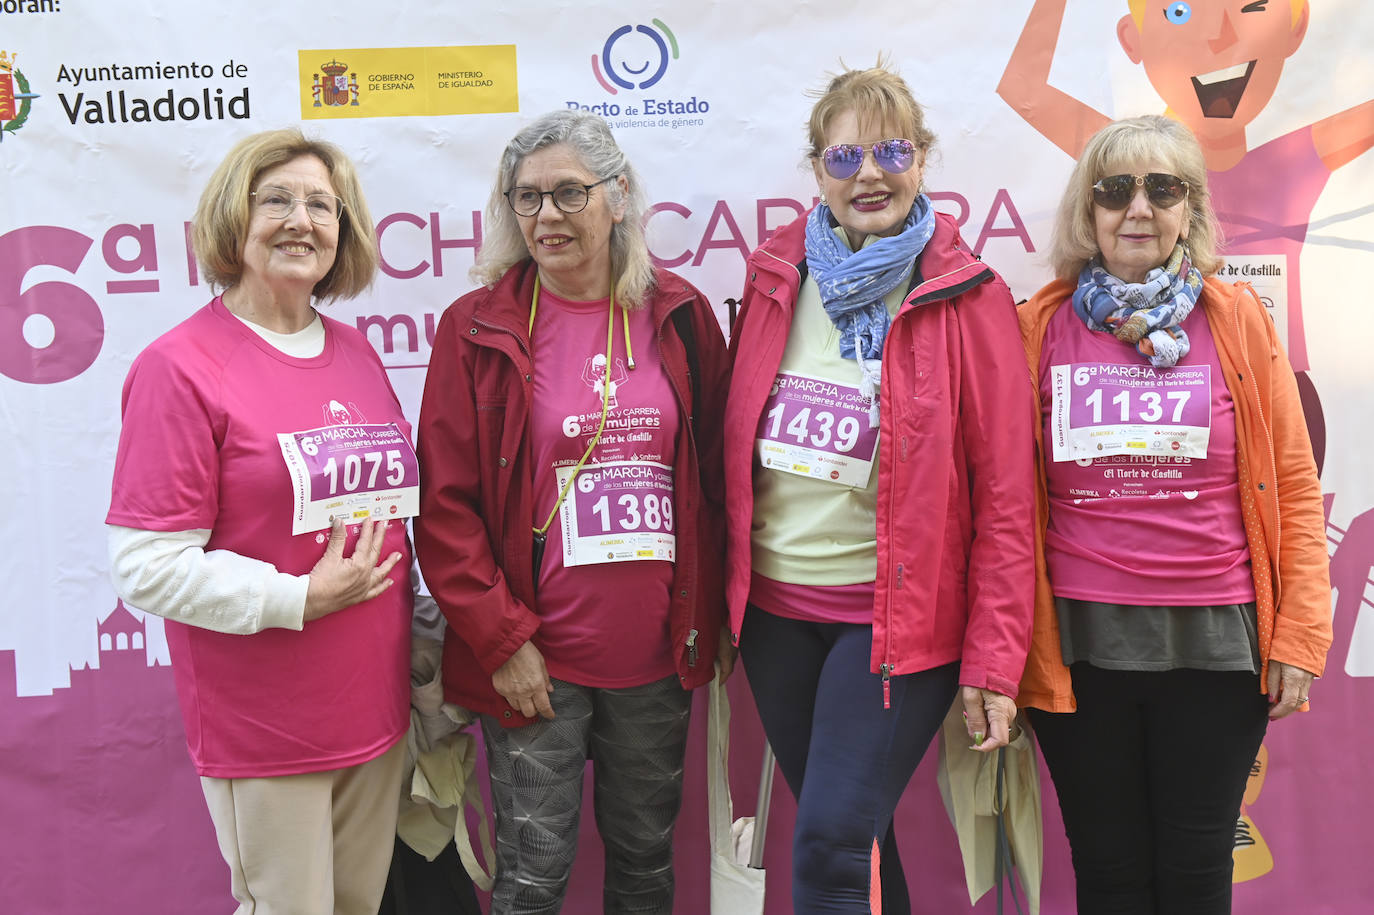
605	584
202	408
813	603
1144	526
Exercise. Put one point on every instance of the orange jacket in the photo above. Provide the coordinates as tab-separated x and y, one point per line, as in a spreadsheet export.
1280	493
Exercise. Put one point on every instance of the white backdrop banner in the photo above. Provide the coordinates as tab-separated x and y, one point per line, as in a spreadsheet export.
112	117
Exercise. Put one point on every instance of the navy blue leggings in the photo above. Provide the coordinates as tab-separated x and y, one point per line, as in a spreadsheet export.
845	757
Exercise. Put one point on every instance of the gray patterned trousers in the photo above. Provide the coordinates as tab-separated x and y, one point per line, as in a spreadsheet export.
636	739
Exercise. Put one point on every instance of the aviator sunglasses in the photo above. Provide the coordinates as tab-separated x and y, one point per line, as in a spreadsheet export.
1115	192
843	160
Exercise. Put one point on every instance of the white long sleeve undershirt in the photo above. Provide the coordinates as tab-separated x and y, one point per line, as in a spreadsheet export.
168	573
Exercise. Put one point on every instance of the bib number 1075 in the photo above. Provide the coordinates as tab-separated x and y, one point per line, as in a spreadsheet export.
350	472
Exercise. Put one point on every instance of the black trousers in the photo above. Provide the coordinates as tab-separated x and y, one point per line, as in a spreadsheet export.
419	887
1150	772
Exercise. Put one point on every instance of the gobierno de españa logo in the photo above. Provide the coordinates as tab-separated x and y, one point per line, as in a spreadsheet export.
16	101
635	58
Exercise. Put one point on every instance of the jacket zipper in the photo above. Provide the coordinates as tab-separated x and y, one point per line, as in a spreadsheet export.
692	631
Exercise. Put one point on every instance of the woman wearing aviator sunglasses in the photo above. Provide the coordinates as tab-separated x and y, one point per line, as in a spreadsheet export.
1170	598
879	472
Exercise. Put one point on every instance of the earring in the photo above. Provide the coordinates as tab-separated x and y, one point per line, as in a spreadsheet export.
823	200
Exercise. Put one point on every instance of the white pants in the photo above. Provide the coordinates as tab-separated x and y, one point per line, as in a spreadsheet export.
313	844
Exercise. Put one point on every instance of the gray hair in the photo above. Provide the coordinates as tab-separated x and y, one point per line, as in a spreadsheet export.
589	138
1122	146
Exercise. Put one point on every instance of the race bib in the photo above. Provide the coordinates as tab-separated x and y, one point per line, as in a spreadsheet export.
819	429
1099	409
619	511
350	472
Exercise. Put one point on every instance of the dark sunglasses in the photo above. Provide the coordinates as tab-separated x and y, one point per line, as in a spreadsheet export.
843	160
1115	192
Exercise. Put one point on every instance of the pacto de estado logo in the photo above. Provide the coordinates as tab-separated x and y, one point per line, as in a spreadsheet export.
626	51
634	58
16	101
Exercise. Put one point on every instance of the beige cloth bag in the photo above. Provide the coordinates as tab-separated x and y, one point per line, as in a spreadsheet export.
736	888
968	783
441	759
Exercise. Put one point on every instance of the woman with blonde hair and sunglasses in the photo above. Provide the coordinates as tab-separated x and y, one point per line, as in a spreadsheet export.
1175	615
879	471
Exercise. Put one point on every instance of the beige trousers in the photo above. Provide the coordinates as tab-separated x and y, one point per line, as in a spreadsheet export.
312	844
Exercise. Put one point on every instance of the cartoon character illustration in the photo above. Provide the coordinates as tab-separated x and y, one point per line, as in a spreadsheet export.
1251	853
1216	64
337	414
594	375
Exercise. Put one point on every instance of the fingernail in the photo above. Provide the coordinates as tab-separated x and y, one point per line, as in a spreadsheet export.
977	738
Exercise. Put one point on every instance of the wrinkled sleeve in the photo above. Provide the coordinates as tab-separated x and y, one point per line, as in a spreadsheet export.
996	420
1302	627
451	538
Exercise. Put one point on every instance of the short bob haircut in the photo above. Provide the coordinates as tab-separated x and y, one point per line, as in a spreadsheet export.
1131	146
589	138
220	225
877	96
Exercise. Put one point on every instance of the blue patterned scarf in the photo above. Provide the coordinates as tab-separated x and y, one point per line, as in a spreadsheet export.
853	284
1147	315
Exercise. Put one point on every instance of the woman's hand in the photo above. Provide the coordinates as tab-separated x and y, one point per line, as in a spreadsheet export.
988	716
524	682
1288	688
337	581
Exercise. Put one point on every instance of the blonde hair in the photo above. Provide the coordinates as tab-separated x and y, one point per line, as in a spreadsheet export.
220	225
589	137
876	95
1123	146
1137	8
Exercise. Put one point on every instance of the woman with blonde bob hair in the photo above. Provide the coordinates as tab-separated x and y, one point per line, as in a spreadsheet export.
289	638
1175	617
571	503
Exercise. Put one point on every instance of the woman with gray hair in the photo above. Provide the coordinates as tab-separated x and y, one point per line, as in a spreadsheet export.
569	443
1169	599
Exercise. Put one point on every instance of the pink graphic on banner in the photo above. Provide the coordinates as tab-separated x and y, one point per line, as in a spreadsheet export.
103	811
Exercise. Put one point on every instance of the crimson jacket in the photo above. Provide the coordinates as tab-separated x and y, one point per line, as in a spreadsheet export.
473	535
1281	496
955	467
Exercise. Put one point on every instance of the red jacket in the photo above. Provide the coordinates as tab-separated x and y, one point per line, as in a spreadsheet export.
473	536
955	468
1281	496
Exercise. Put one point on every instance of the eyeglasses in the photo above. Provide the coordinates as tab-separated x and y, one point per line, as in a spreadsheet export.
1116	192
843	160
277	203
570	198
